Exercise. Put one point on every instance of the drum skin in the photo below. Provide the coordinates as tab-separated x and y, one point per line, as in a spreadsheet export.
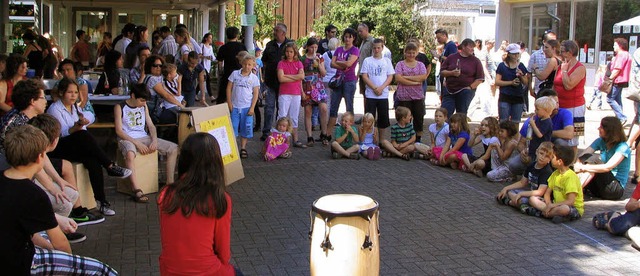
347	230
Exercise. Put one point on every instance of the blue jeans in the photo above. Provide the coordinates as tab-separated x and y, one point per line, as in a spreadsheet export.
347	91
620	224
614	99
596	96
507	110
458	102
269	110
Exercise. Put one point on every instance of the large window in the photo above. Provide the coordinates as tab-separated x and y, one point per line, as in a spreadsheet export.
547	16
585	33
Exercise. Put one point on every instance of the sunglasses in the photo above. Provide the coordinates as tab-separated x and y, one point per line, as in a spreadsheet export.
157	65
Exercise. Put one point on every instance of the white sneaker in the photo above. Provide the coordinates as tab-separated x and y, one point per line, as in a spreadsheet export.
105	208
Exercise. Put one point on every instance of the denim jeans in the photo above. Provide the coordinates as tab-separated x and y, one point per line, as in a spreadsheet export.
614	99
507	110
269	110
347	91
458	102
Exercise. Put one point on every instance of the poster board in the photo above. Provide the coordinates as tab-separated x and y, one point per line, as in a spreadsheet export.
216	121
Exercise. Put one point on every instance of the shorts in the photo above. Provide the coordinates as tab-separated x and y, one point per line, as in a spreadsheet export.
164	146
380	109
578	124
242	122
289	106
524	199
457	153
487	164
436	151
61	208
57	165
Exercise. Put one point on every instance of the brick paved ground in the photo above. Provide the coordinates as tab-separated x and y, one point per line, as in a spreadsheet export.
433	221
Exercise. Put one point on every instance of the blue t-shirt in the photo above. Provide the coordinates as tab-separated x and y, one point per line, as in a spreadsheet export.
561	120
510	93
546	128
465	147
620	172
450	48
537	177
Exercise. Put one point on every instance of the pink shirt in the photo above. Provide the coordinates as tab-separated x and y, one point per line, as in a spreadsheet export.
410	92
290	68
621	62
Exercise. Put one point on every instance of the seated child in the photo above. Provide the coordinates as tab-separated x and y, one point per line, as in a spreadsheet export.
540	124
505	158
403	136
439	131
346	138
278	143
532	184
563	200
28	211
369	138
137	134
242	94
487	134
457	143
171	98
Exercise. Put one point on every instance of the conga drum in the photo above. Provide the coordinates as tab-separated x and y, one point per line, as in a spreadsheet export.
344	235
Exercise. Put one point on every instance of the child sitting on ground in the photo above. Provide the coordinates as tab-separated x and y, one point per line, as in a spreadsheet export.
403	136
242	95
487	134
457	143
439	131
369	138
505	158
532	184
137	134
563	200
346	139
278	143
540	124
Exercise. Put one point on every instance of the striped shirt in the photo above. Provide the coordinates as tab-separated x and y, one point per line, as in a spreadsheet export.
402	134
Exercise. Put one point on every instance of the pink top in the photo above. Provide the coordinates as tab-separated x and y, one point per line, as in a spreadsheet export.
410	92
569	98
195	245
622	62
290	68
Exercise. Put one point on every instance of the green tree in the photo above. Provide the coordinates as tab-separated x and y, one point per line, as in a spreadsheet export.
266	16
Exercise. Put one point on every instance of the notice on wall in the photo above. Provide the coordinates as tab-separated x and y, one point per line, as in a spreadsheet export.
582	57
633	43
626	29
616	29
591	56
603	58
636	28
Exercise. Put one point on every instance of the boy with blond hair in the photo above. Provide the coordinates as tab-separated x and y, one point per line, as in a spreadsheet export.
346	143
540	124
563	200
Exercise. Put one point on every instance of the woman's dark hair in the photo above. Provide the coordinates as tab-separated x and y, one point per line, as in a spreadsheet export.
29	35
547	92
24	92
310	41
13	63
200	179
613	131
622	43
63	85
110	60
350	31
148	63
204	37
137	36
510	127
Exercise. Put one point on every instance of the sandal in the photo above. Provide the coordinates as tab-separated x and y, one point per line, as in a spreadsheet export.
299	144
601	220
325	139
243	153
142	198
310	141
406	157
387	154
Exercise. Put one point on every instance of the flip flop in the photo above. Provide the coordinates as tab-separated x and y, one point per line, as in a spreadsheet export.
140	199
243	153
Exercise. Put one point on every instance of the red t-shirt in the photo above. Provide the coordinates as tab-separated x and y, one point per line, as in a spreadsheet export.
290	68
569	98
195	245
636	193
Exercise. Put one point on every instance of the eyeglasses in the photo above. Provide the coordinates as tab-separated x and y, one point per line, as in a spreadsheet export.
156	65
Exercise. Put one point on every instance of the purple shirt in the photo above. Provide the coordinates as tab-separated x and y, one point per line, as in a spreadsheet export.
342	55
410	92
470	71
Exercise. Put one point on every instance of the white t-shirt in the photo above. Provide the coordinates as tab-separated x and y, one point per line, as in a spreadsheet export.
490	140
377	70
122	45
440	137
133	121
207	51
242	91
327	66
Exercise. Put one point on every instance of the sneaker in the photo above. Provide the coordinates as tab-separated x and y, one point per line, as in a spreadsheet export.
87	218
560	219
118	171
105	208
75	237
524	208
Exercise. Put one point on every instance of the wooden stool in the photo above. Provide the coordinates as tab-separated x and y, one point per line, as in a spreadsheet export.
84	186
146	173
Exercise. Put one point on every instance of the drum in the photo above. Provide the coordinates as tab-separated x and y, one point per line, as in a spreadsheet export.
344	235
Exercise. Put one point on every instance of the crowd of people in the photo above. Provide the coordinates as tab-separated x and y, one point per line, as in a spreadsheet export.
166	73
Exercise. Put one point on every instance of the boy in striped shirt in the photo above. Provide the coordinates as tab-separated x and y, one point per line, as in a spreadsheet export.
403	137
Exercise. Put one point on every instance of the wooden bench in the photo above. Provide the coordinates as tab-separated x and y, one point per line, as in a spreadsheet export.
85	190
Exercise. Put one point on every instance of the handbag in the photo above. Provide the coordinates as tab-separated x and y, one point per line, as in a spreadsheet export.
606	85
337	81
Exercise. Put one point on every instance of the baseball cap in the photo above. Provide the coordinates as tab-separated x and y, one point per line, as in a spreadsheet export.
513	48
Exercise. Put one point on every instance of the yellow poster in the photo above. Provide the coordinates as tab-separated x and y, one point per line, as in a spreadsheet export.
221	129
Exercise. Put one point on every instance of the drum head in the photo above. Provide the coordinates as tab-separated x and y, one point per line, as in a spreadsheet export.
345	205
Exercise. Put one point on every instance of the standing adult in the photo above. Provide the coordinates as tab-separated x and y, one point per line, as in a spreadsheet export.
450	48
103	48
227	54
168	46
620	71
207	57
512	79
569	83
546	74
33	52
330	32
126	37
463	73
366	50
273	53
184	45
80	51
192	76
140	40
193	41
344	60
538	61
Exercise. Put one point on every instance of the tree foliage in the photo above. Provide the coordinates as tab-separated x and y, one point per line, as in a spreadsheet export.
265	10
396	20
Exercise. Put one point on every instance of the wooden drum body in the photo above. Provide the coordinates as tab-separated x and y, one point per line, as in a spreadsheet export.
344	236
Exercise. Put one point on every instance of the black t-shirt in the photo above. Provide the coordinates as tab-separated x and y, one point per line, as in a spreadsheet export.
25	210
227	53
113	76
537	176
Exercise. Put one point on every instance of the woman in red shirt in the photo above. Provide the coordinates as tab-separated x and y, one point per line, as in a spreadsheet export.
569	83
195	213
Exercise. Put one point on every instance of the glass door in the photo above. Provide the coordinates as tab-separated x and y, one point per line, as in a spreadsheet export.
94	21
